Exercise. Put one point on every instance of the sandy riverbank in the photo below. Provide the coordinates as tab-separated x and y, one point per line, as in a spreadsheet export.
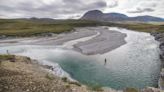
88	40
105	42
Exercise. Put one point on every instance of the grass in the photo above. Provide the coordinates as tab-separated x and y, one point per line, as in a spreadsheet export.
95	87
34	27
26	28
144	27
6	57
130	90
64	79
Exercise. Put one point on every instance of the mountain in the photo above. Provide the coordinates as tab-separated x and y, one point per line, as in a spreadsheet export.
147	19
114	17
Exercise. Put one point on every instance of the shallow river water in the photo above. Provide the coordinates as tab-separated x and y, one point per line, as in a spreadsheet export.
135	64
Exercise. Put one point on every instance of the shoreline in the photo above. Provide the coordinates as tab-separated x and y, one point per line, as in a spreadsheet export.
55	69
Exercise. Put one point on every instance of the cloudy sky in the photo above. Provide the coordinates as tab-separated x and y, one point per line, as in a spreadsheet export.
76	8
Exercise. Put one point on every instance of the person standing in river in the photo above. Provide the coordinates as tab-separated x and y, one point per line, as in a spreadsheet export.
7	51
105	61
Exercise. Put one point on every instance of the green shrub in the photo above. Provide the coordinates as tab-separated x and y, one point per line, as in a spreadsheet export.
6	57
131	90
65	79
67	86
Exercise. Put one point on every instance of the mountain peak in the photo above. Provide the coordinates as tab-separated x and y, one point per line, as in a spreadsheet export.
92	15
95	12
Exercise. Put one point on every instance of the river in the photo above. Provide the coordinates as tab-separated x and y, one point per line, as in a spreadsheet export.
135	64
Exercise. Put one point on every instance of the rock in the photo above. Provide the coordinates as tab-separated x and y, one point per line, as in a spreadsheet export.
27	90
161	80
162	73
161	46
150	89
47	34
47	67
2	36
158	36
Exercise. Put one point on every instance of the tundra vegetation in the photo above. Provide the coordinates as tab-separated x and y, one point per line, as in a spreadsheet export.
35	27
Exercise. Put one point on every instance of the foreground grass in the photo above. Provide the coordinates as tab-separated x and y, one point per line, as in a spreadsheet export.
34	27
6	57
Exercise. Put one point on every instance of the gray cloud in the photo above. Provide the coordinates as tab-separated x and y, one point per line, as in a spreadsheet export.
56	8
145	6
141	10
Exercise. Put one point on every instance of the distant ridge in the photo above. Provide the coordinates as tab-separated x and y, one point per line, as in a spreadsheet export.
116	17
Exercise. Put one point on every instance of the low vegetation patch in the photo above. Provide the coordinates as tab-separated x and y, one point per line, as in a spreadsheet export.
143	27
35	27
65	79
131	90
74	83
96	87
67	86
6	57
49	76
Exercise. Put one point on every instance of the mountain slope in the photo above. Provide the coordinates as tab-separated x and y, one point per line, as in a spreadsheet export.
99	16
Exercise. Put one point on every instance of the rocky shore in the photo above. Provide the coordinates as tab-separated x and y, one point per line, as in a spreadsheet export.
160	37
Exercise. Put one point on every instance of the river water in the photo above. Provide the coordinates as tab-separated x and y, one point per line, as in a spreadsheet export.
135	64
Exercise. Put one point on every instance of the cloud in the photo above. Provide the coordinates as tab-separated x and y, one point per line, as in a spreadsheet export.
112	3
137	7
48	8
141	10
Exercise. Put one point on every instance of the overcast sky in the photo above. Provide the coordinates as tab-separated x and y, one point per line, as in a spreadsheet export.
76	8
